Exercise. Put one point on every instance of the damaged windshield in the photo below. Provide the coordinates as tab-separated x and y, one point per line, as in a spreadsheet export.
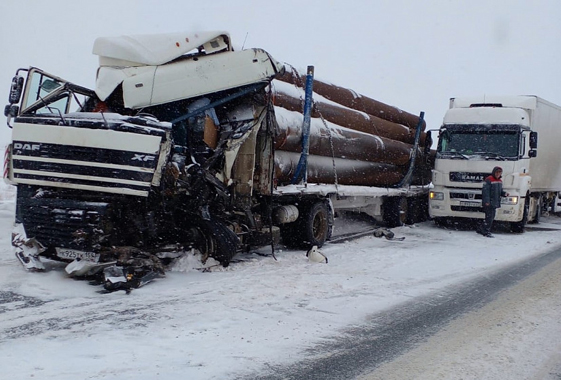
47	94
491	144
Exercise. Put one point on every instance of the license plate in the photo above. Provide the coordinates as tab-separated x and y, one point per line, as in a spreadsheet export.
470	204
72	254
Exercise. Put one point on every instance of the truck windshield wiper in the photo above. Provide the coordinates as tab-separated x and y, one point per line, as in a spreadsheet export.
489	155
456	155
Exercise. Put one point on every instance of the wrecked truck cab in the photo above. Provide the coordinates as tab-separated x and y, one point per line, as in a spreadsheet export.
83	186
150	70
128	181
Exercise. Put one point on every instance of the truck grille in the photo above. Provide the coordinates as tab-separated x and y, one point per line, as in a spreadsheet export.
63	223
456	195
466	209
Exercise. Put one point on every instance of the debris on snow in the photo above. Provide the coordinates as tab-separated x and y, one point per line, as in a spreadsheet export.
315	256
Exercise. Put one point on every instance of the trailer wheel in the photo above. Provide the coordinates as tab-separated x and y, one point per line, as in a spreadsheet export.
417	210
518	227
538	214
556	204
395	210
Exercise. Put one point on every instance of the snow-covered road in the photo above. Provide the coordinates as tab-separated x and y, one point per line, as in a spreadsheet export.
514	337
232	321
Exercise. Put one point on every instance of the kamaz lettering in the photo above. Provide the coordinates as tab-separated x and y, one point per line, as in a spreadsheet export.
467	177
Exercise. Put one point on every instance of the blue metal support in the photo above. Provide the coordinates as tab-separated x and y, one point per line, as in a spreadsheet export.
301	172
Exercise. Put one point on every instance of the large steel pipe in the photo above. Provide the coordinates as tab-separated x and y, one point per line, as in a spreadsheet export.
337	141
349	172
351	119
351	99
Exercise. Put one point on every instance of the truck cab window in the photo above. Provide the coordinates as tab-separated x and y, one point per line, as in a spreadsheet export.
39	87
480	142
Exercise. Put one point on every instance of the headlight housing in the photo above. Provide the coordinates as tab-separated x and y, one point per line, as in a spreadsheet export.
436	196
509	200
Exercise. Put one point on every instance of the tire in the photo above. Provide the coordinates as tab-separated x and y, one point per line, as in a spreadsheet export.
555	209
316	227
518	227
538	215
441	222
216	240
395	211
313	227
417	210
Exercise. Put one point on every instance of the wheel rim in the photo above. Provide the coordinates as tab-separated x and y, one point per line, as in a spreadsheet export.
204	244
319	226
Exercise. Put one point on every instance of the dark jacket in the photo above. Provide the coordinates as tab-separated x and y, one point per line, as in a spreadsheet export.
492	190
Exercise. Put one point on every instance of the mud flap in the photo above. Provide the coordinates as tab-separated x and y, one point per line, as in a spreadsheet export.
27	250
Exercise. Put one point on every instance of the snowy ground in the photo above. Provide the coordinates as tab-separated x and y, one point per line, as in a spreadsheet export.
253	314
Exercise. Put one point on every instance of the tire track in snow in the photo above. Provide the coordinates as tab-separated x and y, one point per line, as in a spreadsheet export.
22	316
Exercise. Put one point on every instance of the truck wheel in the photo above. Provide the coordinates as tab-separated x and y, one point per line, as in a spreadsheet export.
216	240
518	227
394	211
538	214
417	210
315	226
202	242
441	222
556	205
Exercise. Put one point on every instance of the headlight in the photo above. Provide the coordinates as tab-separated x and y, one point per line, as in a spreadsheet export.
436	196
509	200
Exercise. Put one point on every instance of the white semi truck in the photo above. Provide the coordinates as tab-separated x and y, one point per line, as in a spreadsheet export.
480	133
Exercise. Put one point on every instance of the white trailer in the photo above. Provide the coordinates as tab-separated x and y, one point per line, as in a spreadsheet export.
480	133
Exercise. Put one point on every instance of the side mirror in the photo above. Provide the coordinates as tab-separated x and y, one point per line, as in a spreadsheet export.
16	90
533	153
533	140
11	110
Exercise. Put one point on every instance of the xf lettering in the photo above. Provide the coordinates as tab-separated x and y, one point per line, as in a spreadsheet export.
143	157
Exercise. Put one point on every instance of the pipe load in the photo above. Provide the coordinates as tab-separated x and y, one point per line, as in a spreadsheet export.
349	118
351	99
337	141
348	172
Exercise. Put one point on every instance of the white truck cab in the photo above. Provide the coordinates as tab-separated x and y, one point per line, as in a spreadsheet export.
478	134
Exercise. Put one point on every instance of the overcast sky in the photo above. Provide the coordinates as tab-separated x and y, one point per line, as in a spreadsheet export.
414	55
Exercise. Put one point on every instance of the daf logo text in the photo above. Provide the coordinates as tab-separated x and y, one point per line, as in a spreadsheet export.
26	146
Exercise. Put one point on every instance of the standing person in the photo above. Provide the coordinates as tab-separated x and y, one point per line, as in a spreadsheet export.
491	200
